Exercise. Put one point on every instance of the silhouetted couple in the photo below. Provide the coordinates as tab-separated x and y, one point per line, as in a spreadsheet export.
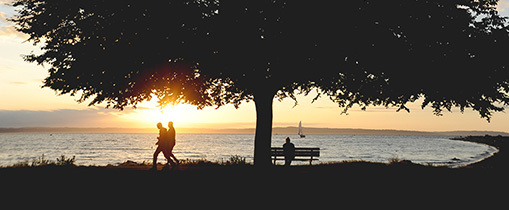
165	144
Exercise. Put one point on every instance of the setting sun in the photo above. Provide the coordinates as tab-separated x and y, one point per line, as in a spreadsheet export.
150	113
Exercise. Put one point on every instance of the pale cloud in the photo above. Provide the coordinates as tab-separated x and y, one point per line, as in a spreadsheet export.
7	28
10	30
91	117
17	83
3	18
503	8
503	5
6	1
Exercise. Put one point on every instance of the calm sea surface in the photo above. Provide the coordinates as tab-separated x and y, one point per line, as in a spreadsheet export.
103	149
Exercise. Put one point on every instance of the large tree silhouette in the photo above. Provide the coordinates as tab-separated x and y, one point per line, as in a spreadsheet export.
213	53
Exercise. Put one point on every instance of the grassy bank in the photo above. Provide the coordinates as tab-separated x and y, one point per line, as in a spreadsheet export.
498	161
233	181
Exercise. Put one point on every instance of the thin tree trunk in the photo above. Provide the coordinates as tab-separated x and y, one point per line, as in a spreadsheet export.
263	136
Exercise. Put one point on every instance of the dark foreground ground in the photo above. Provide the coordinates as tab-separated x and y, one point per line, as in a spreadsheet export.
203	184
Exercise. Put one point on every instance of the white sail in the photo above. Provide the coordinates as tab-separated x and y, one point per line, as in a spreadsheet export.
300	128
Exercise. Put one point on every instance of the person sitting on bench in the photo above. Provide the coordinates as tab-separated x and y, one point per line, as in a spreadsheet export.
288	151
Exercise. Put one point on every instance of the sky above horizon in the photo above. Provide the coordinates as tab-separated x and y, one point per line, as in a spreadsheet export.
24	103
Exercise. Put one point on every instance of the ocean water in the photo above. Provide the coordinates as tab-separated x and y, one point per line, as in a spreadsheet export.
114	148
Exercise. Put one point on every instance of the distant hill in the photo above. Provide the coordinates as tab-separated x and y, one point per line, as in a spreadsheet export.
353	131
74	130
276	130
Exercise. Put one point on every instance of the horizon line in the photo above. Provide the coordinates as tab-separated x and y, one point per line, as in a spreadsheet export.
275	130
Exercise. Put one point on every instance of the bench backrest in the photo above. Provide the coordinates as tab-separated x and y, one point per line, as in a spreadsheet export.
299	151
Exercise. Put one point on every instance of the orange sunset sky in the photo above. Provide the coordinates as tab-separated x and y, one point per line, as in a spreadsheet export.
24	103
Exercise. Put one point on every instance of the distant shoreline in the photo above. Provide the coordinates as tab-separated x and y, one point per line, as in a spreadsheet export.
498	160
275	131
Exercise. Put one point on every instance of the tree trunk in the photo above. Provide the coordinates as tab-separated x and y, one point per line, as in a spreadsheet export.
263	135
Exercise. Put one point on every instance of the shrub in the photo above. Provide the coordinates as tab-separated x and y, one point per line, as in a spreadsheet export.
41	161
235	160
63	161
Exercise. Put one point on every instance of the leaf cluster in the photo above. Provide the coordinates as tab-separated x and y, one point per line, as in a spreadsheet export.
212	53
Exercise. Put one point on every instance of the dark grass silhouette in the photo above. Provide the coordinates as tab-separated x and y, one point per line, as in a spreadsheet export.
399	183
204	181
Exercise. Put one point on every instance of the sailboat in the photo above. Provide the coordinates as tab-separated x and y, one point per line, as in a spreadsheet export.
300	130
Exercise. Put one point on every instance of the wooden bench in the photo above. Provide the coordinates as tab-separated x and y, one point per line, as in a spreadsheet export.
310	152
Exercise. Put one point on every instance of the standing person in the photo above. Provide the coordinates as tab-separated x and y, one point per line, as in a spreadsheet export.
163	145
288	151
172	140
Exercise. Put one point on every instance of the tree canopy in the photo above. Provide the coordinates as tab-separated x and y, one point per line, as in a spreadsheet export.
212	53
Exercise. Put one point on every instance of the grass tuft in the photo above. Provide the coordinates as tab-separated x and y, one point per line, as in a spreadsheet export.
42	161
235	160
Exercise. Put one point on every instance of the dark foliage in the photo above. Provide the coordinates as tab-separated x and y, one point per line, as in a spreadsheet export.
212	53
